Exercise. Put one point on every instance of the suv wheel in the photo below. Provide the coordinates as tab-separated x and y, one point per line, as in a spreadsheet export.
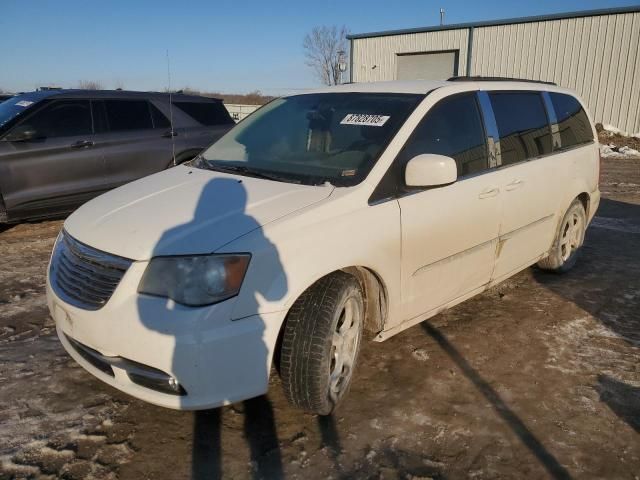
321	342
566	246
3	211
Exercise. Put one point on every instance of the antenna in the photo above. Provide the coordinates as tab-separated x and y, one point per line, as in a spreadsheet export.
172	132
441	16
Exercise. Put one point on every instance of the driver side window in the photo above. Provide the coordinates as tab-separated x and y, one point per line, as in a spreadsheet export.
453	127
63	118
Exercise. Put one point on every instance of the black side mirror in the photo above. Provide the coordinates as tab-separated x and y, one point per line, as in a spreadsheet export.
22	133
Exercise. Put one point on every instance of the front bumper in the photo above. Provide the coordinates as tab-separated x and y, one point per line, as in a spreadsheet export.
215	360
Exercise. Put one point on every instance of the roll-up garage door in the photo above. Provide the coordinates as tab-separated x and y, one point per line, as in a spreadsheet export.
427	66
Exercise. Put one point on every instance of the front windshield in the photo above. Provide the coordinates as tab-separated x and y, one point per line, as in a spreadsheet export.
314	138
14	106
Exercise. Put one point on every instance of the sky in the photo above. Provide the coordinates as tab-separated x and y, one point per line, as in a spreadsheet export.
222	46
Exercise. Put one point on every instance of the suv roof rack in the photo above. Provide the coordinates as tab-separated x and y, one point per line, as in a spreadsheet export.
495	79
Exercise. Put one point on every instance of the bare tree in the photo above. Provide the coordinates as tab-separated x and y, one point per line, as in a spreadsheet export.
322	49
89	85
118	84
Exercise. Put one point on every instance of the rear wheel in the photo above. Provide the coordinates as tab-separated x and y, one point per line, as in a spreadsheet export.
570	237
3	211
321	342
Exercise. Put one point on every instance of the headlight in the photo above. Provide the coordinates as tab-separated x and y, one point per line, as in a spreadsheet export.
195	280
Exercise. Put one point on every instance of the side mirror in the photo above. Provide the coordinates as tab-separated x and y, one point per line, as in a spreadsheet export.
22	133
430	170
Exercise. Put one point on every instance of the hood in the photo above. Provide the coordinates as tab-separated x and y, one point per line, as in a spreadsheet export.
184	211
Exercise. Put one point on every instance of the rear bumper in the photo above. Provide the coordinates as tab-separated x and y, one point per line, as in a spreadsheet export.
594	203
214	359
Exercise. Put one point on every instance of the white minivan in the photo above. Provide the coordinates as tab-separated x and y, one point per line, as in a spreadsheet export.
322	218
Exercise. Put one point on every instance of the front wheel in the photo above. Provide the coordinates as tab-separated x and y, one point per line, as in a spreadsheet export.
321	342
569	238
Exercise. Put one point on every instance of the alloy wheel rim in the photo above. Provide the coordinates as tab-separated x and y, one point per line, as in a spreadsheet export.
571	239
344	347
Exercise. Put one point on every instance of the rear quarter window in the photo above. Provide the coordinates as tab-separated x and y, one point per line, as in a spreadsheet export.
522	125
206	113
573	123
123	115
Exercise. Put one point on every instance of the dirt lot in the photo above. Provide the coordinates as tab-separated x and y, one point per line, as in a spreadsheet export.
537	378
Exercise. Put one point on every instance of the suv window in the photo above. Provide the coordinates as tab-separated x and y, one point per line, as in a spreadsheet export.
522	125
124	115
573	123
62	118
159	120
454	128
206	113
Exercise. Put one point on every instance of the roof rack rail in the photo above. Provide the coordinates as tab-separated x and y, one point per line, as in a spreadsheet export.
495	79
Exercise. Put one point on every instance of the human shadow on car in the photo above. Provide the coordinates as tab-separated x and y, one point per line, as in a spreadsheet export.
222	197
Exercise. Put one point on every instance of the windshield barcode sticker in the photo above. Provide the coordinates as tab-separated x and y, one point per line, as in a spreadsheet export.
24	103
365	119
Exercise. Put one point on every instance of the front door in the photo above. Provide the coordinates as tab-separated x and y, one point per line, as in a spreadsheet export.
58	168
449	233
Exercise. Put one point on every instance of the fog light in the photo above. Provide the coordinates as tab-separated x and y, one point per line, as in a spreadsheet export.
161	383
173	383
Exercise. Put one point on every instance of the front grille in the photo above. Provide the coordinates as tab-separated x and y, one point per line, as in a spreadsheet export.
83	276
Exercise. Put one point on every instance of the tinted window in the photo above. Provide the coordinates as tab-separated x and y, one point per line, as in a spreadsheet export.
453	128
313	138
573	122
12	108
522	125
206	113
159	120
128	115
63	118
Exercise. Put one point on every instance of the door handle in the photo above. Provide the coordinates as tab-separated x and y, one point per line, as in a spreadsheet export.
489	192
515	184
82	144
170	134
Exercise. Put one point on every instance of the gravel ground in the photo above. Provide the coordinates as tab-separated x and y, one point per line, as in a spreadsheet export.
537	378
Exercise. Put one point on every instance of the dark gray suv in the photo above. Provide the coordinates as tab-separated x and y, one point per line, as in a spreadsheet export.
60	148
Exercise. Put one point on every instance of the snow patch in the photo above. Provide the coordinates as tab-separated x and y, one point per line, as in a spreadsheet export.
611	151
614	130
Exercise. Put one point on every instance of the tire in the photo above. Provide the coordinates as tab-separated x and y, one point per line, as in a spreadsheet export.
320	344
3	211
569	238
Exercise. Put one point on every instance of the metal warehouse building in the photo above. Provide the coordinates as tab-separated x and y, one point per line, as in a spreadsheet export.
595	52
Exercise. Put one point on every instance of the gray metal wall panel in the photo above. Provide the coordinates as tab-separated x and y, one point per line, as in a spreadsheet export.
598	56
375	59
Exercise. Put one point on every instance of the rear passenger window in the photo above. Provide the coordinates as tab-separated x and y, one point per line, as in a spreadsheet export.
453	128
206	113
159	120
128	115
522	125
573	123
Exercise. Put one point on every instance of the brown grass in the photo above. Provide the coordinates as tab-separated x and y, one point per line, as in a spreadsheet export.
251	98
608	138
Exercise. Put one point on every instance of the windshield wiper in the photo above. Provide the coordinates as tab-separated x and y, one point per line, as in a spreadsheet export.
250	172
